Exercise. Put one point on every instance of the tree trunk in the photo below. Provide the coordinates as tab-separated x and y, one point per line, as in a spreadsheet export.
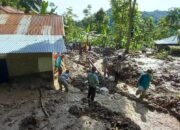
131	16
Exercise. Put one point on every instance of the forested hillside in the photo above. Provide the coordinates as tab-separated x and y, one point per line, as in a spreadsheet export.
157	14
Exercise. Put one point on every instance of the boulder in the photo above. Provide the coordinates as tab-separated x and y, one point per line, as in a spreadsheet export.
104	91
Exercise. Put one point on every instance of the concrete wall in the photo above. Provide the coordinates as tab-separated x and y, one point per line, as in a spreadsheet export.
27	64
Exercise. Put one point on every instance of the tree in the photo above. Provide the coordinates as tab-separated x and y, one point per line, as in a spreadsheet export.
30	5
130	29
87	11
70	26
87	22
100	21
120	21
173	17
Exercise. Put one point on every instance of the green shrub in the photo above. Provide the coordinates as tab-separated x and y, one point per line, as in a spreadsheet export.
175	50
162	55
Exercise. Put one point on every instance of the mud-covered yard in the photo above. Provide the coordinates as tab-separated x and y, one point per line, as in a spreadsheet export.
20	107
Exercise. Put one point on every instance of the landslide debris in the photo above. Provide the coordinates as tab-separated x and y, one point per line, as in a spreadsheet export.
99	112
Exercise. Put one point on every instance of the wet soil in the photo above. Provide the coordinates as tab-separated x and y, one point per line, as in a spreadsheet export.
120	109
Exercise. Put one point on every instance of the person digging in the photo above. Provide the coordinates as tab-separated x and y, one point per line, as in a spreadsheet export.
63	80
143	83
93	82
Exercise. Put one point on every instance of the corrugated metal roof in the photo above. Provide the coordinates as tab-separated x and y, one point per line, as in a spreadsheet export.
168	41
31	24
31	44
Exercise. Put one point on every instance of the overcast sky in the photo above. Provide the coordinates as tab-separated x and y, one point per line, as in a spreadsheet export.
79	5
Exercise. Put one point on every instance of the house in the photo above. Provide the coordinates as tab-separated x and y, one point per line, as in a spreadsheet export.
9	10
166	42
27	44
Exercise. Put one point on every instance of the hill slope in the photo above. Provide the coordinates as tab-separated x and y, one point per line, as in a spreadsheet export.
157	14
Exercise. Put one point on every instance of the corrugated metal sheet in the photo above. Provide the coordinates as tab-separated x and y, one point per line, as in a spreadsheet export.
31	44
31	24
168	41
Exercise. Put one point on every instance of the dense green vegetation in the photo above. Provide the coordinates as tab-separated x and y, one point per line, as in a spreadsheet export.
112	28
157	14
123	26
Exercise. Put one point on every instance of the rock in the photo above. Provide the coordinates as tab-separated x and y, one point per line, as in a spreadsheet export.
75	110
140	63
177	80
175	84
166	76
104	91
112	78
8	120
29	123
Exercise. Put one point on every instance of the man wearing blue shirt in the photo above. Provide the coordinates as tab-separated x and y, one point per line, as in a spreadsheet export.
63	80
143	83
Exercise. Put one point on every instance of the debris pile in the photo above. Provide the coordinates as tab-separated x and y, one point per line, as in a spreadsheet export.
108	51
76	110
29	123
172	104
128	70
96	111
50	106
79	82
160	79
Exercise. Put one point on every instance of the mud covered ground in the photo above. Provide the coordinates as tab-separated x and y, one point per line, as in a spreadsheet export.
20	107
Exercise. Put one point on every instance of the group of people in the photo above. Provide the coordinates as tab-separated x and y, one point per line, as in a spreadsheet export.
64	78
93	81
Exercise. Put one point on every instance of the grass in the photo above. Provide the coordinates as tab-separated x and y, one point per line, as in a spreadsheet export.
162	55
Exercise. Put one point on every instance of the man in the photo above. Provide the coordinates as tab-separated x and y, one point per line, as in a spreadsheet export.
80	53
93	83
105	66
143	49
58	61
117	68
59	64
143	83
63	80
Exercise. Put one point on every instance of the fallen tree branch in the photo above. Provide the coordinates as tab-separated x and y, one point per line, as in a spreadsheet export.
41	103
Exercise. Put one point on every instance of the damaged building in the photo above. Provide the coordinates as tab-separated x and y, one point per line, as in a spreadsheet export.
27	44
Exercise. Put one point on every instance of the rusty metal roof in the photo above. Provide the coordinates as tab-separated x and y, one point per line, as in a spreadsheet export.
31	24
